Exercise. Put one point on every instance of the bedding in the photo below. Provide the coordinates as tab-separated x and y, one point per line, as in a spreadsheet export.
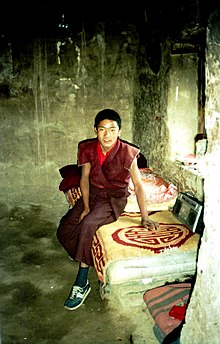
160	193
128	259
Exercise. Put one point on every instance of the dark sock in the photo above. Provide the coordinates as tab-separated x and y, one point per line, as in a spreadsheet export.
82	276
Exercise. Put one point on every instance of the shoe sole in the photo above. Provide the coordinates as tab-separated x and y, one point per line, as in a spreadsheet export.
85	296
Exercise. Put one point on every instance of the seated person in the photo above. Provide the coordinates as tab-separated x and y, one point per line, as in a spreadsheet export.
107	163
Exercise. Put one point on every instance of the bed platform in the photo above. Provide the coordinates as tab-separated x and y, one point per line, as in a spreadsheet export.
129	259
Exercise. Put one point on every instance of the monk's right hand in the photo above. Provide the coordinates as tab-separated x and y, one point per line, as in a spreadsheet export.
83	214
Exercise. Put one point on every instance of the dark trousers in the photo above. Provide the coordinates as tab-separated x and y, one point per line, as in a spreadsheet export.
75	237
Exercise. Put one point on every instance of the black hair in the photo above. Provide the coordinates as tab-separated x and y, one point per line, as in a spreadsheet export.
107	114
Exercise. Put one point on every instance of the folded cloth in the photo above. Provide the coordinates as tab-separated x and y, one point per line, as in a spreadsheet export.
71	175
164	303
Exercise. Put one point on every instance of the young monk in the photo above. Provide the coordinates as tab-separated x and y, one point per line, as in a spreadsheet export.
107	164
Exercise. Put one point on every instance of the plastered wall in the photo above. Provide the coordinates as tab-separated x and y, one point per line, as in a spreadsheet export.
51	91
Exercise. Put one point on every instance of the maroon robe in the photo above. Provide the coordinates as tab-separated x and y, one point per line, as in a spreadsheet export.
108	197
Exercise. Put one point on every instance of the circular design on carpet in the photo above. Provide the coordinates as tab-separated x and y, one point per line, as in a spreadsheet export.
168	236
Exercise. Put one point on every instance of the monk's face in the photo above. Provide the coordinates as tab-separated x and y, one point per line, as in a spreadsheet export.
107	133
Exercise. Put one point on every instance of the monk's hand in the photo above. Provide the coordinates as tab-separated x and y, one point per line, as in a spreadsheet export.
83	214
149	224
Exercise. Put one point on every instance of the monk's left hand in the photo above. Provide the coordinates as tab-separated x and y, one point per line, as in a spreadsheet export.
150	224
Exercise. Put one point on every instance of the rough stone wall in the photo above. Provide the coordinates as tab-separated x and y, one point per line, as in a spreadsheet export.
203	314
51	89
150	129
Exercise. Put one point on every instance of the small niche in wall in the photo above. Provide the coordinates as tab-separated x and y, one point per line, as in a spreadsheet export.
153	52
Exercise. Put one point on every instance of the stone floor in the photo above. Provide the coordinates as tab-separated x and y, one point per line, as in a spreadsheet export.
36	276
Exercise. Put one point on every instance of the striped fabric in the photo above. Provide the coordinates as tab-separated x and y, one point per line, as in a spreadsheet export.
72	195
161	300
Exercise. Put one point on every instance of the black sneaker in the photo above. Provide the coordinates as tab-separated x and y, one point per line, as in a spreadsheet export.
77	296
